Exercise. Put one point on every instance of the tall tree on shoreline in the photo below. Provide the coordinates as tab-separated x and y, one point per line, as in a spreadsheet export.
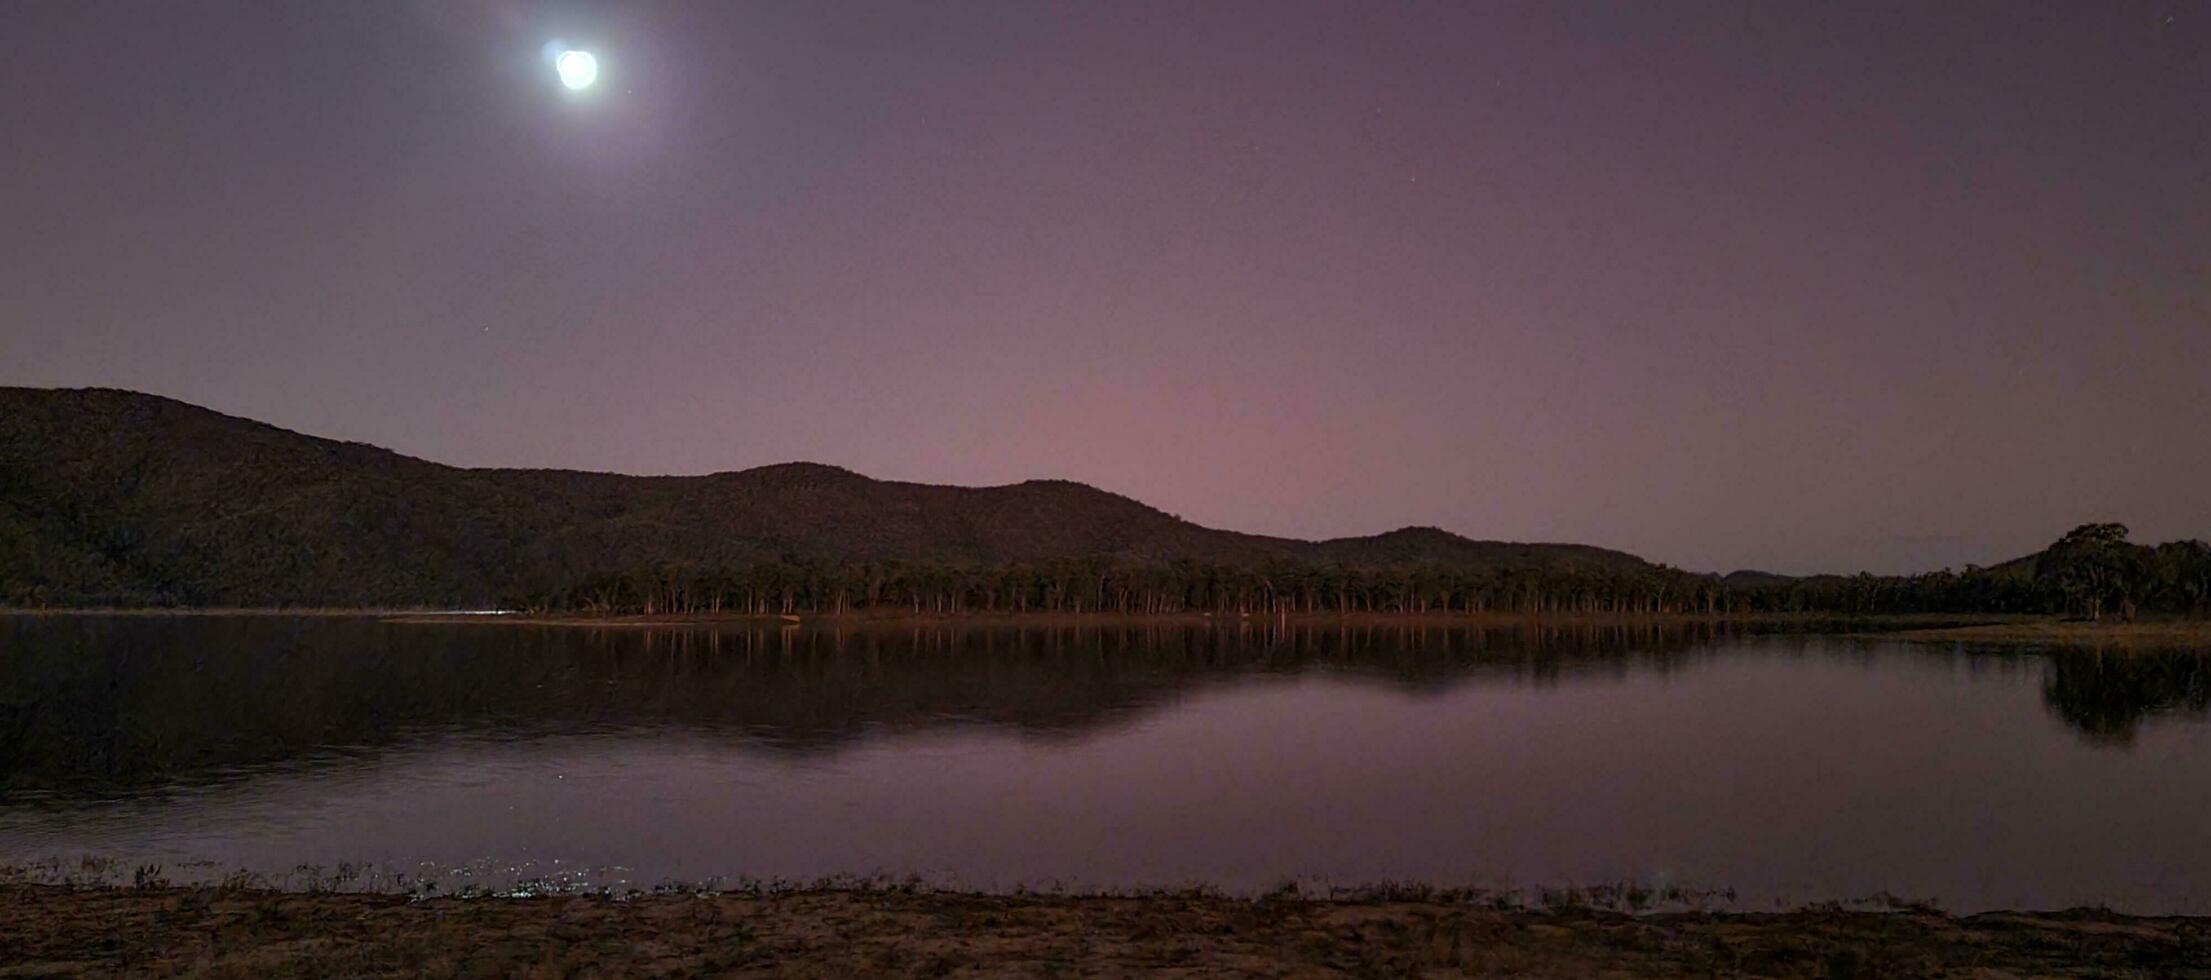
2093	565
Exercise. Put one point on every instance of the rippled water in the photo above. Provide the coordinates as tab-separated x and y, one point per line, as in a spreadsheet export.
1786	768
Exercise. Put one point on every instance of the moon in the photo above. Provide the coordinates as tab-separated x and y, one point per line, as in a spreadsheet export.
578	69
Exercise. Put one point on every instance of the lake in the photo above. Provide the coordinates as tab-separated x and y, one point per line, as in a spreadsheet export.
1761	768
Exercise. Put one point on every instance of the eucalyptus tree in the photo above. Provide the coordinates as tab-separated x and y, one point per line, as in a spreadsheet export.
2093	565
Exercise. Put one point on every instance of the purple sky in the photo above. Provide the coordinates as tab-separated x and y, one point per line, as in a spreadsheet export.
1791	286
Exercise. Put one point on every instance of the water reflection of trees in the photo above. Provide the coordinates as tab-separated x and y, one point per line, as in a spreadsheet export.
117	701
94	704
2107	696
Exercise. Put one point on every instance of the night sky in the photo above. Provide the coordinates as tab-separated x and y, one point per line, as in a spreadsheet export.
1792	286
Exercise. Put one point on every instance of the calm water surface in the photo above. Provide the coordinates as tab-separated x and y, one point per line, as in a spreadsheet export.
1786	768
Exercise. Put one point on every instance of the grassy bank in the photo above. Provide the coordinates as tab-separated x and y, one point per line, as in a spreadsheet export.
2158	634
49	931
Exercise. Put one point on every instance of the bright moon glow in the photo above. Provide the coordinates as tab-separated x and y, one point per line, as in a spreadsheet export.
578	69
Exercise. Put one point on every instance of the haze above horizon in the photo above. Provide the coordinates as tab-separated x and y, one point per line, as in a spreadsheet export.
1889	286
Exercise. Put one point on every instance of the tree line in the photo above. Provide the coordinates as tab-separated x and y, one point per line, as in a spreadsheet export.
2093	572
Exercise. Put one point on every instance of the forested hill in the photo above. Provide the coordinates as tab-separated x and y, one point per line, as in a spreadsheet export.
112	498
118	498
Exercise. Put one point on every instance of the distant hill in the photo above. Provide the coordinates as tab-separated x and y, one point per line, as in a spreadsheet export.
116	497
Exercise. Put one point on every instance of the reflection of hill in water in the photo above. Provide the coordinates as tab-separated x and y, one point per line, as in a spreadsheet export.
2107	696
127	700
116	702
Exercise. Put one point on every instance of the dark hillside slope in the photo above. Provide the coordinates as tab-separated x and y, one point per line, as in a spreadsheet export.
115	497
1427	544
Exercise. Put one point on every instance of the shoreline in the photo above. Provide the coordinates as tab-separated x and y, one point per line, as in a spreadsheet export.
217	611
56	930
2153	634
1308	619
1988	631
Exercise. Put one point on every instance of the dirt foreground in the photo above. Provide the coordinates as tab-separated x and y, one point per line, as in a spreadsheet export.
55	931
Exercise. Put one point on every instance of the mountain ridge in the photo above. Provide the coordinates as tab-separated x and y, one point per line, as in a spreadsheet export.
114	495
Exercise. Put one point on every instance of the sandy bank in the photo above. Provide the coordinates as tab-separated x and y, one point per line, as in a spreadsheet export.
48	931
